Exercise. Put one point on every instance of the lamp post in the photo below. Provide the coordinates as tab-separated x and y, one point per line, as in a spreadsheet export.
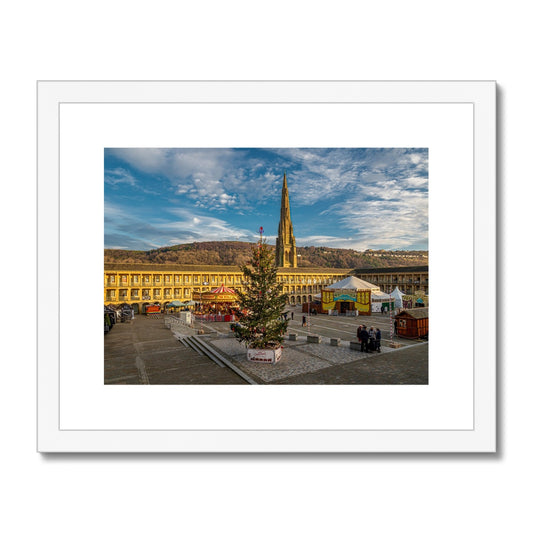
390	316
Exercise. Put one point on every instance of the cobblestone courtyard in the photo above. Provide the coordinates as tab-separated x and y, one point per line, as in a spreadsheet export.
145	351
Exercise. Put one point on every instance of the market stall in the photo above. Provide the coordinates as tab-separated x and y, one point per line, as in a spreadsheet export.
173	306
349	295
413	323
381	300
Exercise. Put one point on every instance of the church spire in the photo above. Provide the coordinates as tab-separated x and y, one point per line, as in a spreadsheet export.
285	243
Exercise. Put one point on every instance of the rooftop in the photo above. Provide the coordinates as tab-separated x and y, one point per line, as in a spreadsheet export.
391	270
150	267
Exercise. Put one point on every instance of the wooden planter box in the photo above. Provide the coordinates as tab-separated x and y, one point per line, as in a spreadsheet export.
264	355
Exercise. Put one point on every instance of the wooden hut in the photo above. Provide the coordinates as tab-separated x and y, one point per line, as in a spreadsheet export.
413	323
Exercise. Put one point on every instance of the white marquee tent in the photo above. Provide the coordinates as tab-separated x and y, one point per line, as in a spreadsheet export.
351	282
380	296
396	295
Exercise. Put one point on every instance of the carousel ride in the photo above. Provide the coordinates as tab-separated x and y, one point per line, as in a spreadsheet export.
221	301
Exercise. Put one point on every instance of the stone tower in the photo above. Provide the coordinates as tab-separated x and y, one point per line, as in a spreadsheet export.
285	243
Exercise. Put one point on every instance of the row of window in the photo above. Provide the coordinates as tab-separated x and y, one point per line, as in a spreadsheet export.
156	292
178	292
137	279
114	295
386	279
176	278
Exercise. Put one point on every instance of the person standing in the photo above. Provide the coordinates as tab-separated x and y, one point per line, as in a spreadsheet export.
358	333
292	315
363	334
303	321
378	340
371	339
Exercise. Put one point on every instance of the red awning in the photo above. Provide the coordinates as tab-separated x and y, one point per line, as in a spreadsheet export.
222	290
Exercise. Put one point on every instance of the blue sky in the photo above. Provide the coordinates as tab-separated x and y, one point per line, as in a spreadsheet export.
358	198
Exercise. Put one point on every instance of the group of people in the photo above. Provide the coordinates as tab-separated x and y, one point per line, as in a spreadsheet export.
370	339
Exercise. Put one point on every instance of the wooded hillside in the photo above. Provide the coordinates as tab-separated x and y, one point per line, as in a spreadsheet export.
238	253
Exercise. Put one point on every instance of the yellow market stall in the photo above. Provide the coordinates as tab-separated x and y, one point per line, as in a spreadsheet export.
347	295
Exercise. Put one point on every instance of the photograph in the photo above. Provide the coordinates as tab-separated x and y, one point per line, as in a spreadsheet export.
268	266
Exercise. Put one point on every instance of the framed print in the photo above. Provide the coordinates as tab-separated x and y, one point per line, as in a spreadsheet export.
265	252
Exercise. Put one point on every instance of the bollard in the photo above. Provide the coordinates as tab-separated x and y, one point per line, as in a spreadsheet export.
313	339
293	336
354	345
335	342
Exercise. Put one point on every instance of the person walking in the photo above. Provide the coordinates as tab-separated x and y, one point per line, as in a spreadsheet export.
303	321
292	315
363	334
378	340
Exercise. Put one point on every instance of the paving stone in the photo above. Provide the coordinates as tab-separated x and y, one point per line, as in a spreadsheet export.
165	360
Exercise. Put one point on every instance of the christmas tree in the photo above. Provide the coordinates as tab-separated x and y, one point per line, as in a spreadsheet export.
261	302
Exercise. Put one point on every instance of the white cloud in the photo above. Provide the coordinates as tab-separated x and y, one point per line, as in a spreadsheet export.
329	241
214	179
209	228
378	199
415	181
150	160
119	176
327	174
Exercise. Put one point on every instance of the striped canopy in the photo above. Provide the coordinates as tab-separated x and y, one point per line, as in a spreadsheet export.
220	294
222	290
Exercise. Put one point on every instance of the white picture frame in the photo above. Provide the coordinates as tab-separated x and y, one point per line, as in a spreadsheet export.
455	412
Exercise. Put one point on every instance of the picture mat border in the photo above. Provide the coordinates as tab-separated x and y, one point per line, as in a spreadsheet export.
482	438
415	407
